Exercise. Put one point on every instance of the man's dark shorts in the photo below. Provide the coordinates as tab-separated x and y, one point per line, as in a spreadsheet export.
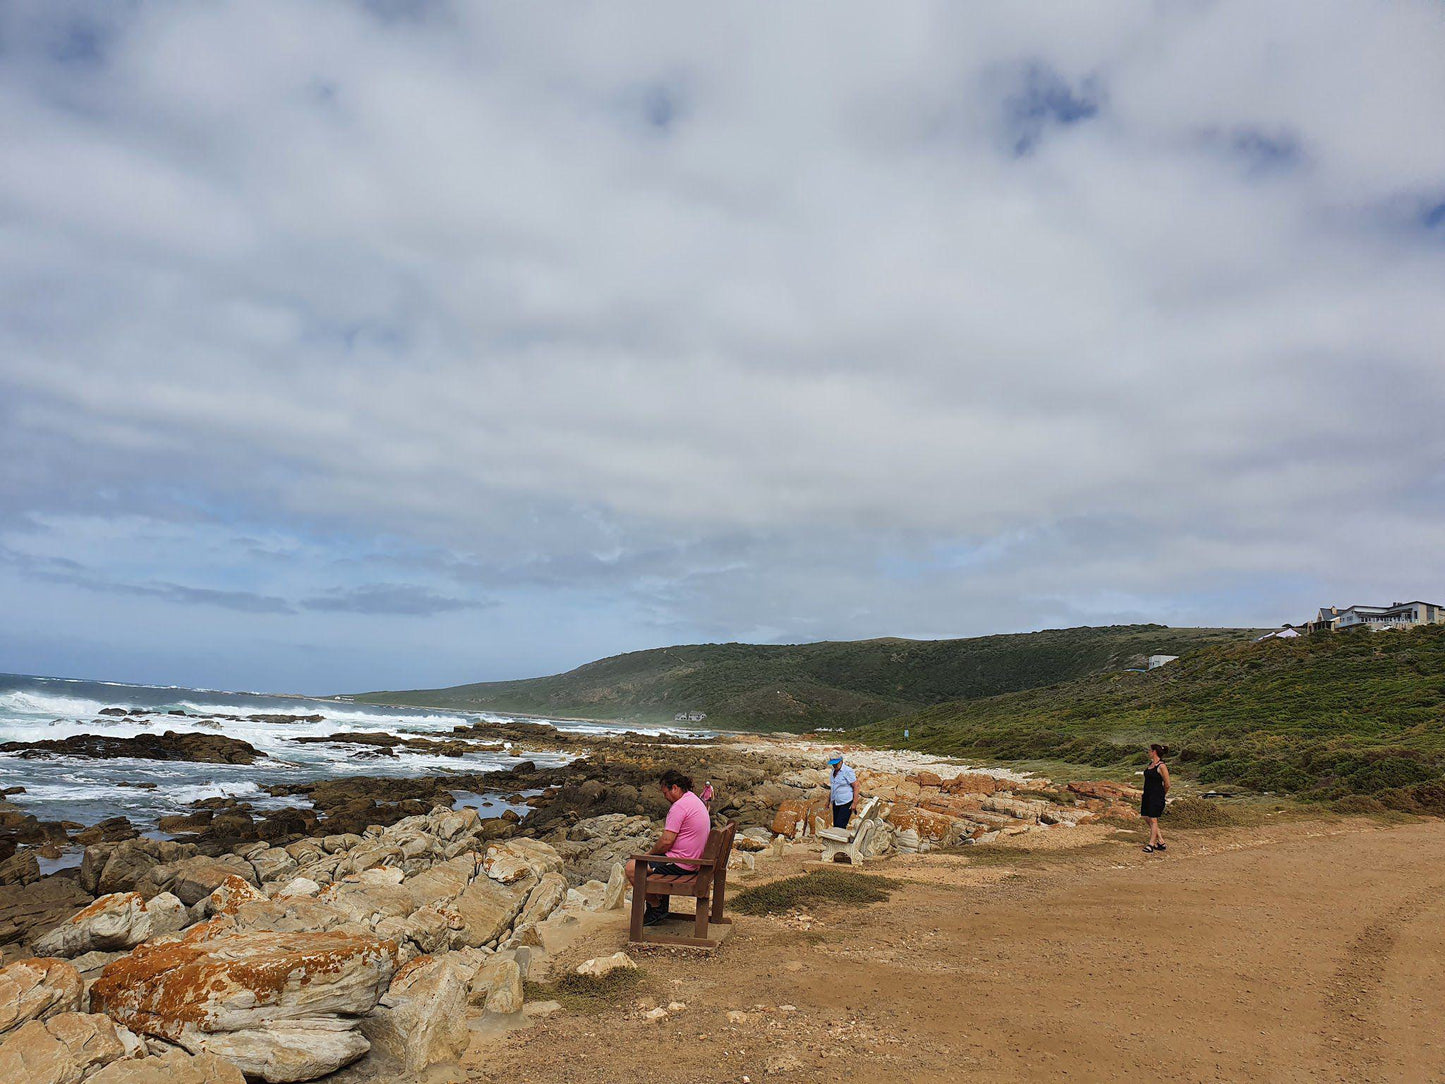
670	869
841	814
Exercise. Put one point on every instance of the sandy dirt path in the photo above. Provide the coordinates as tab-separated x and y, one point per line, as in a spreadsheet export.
1299	952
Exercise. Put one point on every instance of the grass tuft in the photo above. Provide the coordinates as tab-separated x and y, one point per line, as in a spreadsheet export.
1197	813
587	993
819	886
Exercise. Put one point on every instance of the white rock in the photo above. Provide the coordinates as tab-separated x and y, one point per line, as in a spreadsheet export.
421	1020
120	920
605	965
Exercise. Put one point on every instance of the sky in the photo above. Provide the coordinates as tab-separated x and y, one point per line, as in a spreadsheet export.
360	344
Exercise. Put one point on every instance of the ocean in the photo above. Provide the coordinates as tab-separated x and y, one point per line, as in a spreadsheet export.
87	790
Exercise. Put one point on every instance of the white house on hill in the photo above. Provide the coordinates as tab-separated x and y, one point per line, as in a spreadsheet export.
1398	615
1156	661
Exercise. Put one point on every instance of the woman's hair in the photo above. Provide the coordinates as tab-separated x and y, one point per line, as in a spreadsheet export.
674	778
1161	750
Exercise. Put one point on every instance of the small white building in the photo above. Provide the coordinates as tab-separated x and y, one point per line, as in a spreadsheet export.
1156	661
1289	632
689	717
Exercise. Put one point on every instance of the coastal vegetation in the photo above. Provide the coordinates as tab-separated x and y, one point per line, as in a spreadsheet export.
811	889
828	684
1329	716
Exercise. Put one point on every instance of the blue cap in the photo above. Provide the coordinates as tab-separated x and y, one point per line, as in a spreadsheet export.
835	760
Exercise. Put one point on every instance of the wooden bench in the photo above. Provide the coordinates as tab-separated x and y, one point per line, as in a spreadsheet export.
708	887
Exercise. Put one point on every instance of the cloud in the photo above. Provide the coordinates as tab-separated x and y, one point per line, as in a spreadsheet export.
681	324
390	598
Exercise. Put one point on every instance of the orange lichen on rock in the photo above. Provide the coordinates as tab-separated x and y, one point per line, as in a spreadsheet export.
242	980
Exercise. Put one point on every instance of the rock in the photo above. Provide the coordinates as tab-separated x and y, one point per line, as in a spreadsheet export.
796	816
30	910
616	888
64	1049
513	859
926	779
120	920
112	830
121	867
282	1006
193	879
540	1009
272	864
229	895
175	1066
36	989
204	748
551	890
298	886
482	913
504	988
21	868
605	965
935	827
421	1020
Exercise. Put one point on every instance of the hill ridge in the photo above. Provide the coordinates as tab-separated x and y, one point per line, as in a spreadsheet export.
822	683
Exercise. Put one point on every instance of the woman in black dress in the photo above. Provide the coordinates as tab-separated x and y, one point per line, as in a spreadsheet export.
1151	806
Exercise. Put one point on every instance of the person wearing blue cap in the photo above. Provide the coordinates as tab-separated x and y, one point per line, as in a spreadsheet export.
845	791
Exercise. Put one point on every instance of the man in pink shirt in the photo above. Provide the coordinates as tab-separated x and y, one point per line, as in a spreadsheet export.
684	836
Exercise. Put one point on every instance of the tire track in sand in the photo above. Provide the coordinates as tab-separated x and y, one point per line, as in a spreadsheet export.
1352	1037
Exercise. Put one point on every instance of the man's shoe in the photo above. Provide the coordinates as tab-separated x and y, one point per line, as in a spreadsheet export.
654	916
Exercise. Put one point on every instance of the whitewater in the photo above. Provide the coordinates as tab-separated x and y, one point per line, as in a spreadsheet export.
86	790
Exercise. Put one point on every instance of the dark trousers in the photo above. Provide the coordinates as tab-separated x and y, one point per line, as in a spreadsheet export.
841	813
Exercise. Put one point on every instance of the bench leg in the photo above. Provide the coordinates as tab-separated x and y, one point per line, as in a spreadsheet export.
699	925
639	905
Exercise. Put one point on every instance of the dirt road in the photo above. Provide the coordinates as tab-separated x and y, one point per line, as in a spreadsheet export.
1298	952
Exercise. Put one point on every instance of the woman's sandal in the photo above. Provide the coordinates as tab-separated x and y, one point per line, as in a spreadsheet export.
1160	847
1148	848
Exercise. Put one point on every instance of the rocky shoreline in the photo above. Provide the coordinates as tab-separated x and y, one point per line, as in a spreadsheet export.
367	927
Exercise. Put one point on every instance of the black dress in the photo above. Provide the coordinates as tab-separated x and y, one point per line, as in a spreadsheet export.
1152	804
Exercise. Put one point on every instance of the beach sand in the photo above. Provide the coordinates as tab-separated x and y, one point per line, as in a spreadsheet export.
1306	950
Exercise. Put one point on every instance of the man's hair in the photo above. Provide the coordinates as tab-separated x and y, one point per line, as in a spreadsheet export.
674	778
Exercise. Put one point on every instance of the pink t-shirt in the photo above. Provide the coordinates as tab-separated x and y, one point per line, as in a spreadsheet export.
688	817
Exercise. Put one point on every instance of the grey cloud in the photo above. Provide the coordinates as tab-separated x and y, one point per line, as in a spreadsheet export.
391	598
677	315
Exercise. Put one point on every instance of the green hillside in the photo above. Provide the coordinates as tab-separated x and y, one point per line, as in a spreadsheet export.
800	686
1323	716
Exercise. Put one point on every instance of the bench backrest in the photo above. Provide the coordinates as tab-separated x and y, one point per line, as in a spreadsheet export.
719	841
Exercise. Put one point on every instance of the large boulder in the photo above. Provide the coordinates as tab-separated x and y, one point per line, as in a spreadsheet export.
64	1049
515	859
121	920
483	913
422	1018
551	890
272	864
282	1006
193	879
175	1066
30	910
121	867
228	897
37	989
21	868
